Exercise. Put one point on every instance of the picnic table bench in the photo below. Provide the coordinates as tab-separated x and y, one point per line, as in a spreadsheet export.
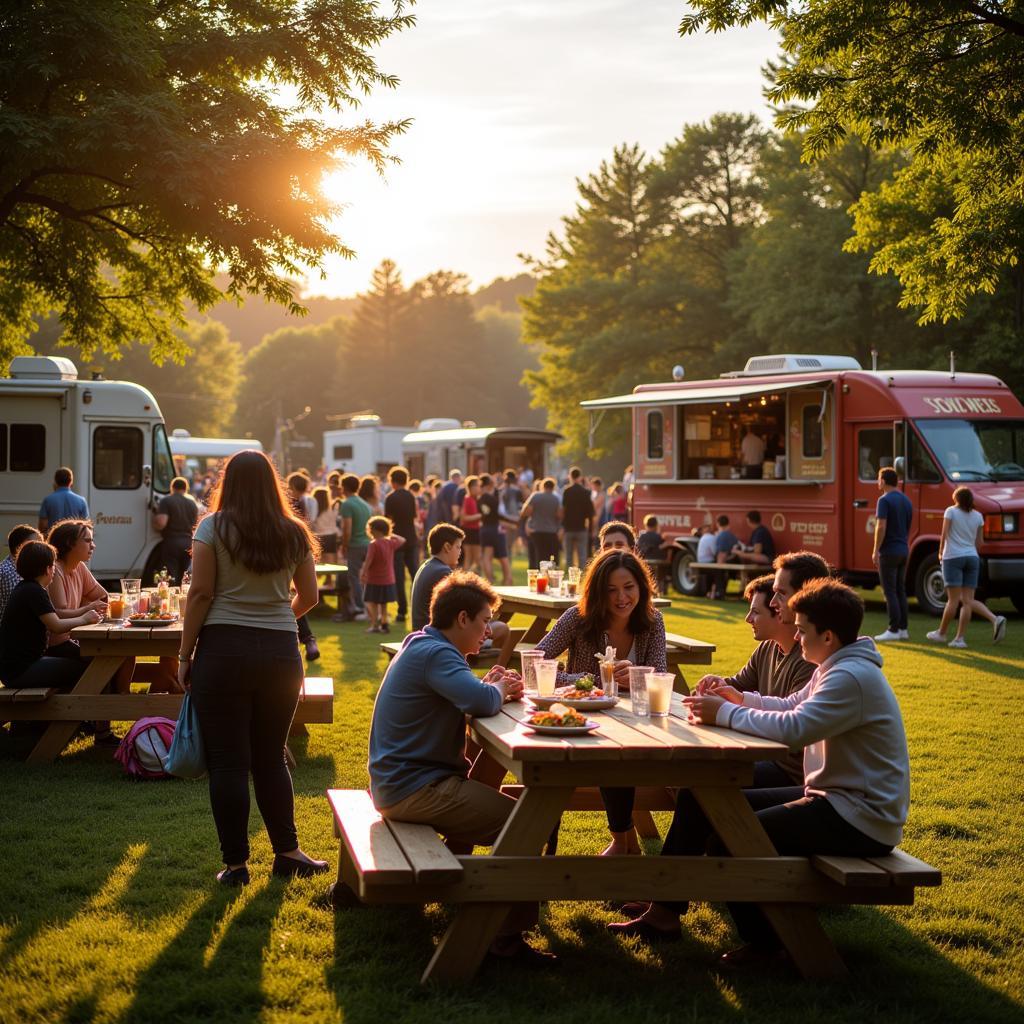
389	862
332	581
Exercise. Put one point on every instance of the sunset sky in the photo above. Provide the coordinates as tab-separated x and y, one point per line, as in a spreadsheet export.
512	100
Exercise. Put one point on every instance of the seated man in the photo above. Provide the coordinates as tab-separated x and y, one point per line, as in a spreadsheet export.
444	542
775	669
616	536
759	550
418	767
856	793
725	545
9	577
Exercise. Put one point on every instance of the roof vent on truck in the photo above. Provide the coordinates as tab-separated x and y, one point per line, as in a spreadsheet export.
43	368
760	366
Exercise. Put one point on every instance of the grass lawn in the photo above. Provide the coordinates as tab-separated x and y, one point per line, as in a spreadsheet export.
109	910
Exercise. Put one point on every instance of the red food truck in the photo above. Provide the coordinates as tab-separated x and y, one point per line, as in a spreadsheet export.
826	426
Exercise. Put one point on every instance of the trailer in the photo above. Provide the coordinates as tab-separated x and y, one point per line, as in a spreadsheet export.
828	426
475	450
364	446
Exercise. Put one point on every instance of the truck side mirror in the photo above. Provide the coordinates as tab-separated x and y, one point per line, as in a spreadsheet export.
147	476
900	465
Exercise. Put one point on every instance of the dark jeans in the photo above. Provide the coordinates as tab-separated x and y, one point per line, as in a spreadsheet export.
304	629
245	685
545	548
355	558
797	825
60	672
176	555
618	805
892	571
406	557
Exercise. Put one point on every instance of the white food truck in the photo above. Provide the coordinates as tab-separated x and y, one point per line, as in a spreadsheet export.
194	455
364	446
111	435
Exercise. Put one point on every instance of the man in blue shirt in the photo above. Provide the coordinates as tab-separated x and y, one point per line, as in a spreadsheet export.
63	503
893	516
725	544
417	764
448	500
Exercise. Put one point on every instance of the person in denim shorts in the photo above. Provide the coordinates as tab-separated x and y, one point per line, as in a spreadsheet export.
962	526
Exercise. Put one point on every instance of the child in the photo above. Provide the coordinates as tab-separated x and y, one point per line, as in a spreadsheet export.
378	573
651	546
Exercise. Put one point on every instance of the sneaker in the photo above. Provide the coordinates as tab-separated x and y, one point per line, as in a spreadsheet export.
375	629
957	641
904	634
360	617
999	629
385	628
889	634
936	637
312	651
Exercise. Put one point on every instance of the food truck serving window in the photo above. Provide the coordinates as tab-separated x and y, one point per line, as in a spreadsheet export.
655	435
976	449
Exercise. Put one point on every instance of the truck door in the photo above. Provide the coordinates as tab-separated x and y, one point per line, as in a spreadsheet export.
119	496
871	445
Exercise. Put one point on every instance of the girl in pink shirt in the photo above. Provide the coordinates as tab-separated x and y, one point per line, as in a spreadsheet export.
378	572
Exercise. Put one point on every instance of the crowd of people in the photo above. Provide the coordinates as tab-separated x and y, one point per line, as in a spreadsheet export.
812	682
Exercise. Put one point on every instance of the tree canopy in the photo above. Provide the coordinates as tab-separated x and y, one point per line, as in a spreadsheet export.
145	144
942	79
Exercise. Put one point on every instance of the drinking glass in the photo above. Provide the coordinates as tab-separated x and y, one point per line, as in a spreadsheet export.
659	693
638	690
545	672
608	683
531	579
130	591
529	660
555	582
542	584
574	574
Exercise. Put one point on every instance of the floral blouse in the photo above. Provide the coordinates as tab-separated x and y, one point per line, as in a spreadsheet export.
566	635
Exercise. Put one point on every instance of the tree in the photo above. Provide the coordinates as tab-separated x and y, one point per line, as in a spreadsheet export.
198	389
289	371
147	143
942	79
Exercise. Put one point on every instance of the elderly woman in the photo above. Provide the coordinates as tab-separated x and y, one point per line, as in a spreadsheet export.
615	610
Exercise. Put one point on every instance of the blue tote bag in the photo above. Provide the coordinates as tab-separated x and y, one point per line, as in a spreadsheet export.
186	758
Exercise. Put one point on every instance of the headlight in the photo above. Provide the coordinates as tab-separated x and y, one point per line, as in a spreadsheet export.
999	524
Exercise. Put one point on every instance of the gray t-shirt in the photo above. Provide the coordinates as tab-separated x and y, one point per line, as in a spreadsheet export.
543	511
429	574
962	532
244	598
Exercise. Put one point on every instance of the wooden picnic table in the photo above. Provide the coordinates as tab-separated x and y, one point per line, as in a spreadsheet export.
629	751
108	646
332	578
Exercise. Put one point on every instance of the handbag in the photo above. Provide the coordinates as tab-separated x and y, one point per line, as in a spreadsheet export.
187	758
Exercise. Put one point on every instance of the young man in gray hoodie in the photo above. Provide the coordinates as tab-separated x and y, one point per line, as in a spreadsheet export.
856	791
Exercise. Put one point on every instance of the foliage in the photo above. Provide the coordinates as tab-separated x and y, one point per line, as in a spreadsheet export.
150	142
109	910
196	389
942	79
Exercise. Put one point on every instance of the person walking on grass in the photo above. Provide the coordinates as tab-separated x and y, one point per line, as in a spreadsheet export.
893	516
962	526
378	572
355	542
240	657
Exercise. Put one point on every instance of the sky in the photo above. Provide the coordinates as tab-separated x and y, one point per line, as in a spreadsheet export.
512	101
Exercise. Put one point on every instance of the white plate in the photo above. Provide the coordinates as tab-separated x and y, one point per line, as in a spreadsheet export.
153	622
563	730
577	703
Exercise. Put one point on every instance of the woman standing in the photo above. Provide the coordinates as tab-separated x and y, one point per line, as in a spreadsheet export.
240	657
369	491
962	526
615	610
325	522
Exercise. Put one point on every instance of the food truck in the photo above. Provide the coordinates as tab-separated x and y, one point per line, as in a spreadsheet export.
198	455
109	432
439	446
827	427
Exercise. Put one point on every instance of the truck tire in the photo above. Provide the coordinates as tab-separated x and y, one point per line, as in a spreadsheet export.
928	586
683	578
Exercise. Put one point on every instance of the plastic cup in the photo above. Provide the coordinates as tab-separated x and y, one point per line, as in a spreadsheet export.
574	574
529	659
638	690
545	671
531	579
130	591
608	679
659	693
555	582
542	584
571	587
115	606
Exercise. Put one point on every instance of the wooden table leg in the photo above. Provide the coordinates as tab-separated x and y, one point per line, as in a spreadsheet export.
465	943
100	670
796	925
536	631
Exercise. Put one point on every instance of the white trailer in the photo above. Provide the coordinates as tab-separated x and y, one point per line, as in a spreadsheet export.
194	455
111	435
366	446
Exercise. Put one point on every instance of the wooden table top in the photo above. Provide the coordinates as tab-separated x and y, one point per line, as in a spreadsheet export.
108	631
525	597
329	567
622	736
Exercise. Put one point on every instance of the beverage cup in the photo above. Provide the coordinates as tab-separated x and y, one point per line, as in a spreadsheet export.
571	586
608	679
142	605
115	606
555	582
531	579
529	659
542	584
574	574
545	672
130	590
638	690
659	693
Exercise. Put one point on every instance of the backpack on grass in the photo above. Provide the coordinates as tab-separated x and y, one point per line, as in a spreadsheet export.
143	751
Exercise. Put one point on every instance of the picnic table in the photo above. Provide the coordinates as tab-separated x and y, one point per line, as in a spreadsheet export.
394	862
332	579
108	646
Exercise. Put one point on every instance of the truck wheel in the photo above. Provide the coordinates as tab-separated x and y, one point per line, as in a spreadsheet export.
928	586
684	579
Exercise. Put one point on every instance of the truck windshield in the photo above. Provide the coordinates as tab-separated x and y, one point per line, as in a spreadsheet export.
163	463
977	449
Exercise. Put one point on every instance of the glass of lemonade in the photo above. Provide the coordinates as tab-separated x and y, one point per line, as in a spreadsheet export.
546	672
659	693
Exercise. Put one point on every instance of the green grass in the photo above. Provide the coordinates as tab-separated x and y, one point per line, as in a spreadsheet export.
109	910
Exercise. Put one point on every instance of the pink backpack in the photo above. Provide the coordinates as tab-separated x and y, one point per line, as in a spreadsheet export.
143	751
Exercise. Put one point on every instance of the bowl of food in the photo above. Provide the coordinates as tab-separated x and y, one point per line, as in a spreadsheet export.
559	720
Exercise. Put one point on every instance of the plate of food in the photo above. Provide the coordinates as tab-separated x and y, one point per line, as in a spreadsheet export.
583	695
153	619
559	720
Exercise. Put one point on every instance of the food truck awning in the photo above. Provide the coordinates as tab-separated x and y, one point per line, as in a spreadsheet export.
478	435
692	396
